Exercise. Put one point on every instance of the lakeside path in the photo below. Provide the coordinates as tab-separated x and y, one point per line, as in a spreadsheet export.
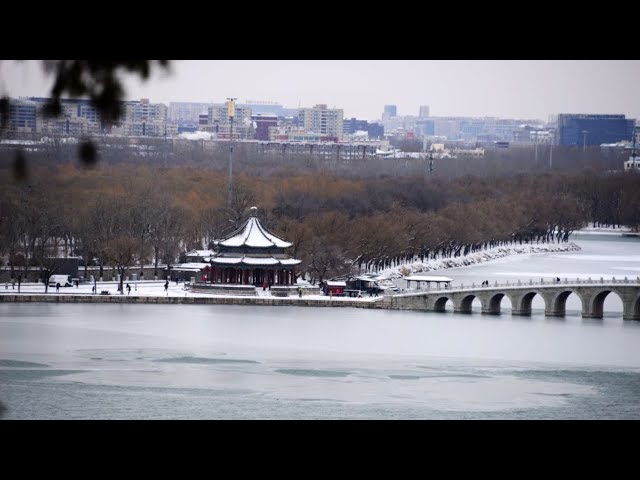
152	292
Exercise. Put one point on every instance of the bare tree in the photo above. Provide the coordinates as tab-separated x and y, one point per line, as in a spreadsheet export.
121	252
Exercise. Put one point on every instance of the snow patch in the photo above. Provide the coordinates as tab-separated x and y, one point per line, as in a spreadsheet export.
473	258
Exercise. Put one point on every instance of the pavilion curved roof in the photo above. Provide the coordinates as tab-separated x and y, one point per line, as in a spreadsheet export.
253	234
255	261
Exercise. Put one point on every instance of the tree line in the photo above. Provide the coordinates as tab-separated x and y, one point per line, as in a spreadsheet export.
120	215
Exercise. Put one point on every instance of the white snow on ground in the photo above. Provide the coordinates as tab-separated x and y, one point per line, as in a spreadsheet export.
473	258
605	258
156	289
196	135
603	230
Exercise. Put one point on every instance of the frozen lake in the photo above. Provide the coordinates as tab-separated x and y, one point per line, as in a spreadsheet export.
216	361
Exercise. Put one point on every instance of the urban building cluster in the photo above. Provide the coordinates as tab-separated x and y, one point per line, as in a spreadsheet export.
272	122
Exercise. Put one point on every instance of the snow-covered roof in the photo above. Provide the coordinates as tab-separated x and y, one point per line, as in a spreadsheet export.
260	261
428	278
190	266
253	234
227	260
290	261
257	261
336	284
200	253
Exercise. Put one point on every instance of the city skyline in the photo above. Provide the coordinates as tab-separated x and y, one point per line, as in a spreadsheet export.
501	88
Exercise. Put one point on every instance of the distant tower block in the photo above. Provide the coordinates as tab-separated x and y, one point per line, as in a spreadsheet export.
390	111
424	111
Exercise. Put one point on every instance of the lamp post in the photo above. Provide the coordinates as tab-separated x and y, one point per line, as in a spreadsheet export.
230	113
584	140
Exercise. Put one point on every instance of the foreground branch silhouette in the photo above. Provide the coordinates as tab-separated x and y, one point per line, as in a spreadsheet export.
98	80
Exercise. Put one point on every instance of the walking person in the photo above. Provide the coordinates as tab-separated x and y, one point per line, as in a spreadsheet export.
128	289
166	286
58	287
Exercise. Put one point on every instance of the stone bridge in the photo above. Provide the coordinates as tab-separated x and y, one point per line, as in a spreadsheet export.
591	293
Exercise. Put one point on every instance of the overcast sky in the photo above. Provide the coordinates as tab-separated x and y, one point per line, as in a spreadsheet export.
504	88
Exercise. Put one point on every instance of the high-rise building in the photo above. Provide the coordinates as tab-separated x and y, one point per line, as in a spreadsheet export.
219	120
375	131
78	117
146	119
423	112
425	127
352	125
584	129
144	111
22	115
186	112
389	111
322	120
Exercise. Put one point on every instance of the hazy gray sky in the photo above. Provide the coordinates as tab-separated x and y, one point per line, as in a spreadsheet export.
502	88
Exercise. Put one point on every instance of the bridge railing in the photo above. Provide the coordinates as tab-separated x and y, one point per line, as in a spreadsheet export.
521	283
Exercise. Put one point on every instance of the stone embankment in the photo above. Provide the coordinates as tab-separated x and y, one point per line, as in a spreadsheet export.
272	301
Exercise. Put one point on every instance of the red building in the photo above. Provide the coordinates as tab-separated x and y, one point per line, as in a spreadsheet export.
252	255
335	287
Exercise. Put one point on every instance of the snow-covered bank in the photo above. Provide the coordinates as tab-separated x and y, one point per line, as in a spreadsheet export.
473	258
590	230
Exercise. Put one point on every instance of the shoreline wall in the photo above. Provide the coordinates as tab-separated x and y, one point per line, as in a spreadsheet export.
272	301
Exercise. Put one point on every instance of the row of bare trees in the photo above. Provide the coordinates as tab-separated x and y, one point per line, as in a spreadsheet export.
123	215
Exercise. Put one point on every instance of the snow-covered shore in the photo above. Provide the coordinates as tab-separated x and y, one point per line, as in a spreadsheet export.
474	258
590	230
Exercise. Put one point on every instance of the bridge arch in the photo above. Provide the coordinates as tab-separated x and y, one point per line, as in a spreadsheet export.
521	304
440	304
492	304
632	310
557	305
465	304
594	307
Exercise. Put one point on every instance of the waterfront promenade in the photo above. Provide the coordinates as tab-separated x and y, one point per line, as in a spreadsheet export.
152	292
591	293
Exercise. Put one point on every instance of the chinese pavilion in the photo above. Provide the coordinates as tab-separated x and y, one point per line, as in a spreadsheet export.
252	256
